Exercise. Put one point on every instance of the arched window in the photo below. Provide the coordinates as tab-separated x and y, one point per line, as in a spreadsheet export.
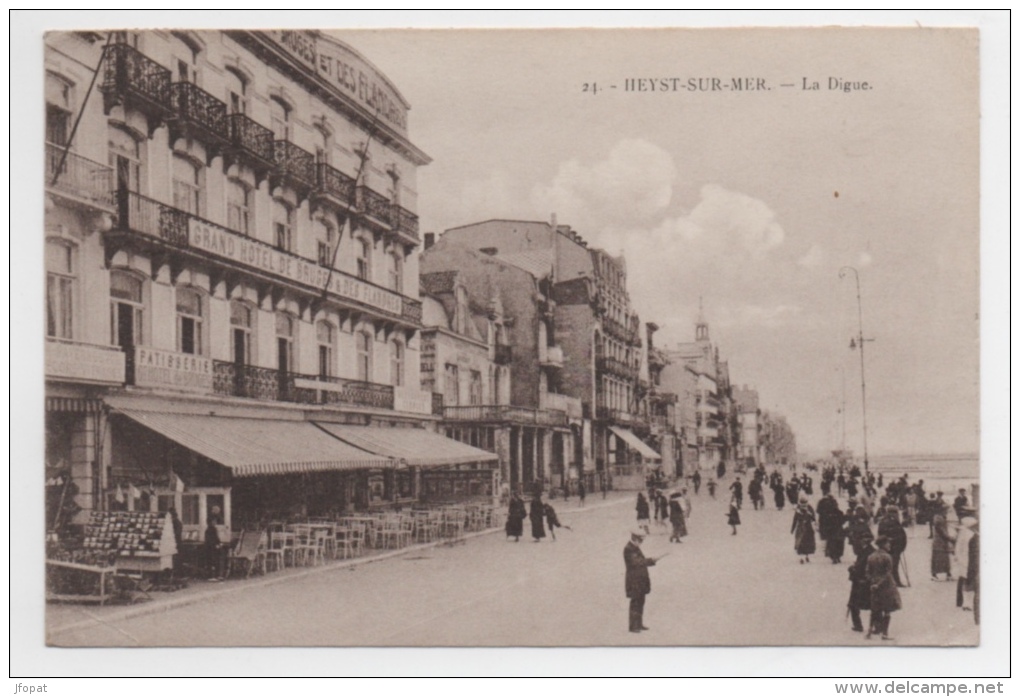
364	346
238	206
396	271
187	185
242	323
125	158
185	54
285	333
283	226
280	116
237	92
127	309
59	108
326	336
190	320
396	363
363	248
61	288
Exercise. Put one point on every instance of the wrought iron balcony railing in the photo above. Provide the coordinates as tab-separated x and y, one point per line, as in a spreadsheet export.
132	79
255	382
405	222
198	114
295	167
374	205
139	215
335	185
251	141
79	179
149	217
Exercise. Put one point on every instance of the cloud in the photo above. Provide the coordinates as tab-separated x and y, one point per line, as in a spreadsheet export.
633	185
813	257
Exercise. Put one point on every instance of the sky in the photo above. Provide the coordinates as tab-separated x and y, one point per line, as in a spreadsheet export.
751	201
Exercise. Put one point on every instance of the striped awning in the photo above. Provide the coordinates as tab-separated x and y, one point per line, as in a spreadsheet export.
412	446
635	443
253	447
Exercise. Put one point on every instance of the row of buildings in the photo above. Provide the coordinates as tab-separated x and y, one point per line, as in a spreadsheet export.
242	314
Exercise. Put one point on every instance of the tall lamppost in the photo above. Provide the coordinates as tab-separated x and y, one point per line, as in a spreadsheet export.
859	343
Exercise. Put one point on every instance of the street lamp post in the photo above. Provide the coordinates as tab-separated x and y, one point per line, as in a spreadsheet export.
860	345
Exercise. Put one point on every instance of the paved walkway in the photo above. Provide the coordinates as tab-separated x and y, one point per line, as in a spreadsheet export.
714	589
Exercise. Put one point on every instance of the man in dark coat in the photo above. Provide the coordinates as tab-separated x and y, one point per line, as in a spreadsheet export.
537	516
754	491
860	589
637	584
891	528
885	597
737	488
960	504
696	481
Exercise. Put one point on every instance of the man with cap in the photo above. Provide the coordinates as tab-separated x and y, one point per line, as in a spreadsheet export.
885	597
638	584
891	528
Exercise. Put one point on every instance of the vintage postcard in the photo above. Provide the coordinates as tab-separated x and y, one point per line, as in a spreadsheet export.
512	338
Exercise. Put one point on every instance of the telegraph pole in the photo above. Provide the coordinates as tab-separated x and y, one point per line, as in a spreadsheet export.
860	345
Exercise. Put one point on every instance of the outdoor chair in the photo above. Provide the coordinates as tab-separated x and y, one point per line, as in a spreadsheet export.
250	554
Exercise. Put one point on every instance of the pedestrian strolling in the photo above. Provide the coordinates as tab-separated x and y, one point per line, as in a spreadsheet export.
941	547
553	521
711	488
885	596
515	518
738	492
696	481
860	588
891	529
733	517
637	582
803	530
642	512
580	492
537	516
676	518
958	563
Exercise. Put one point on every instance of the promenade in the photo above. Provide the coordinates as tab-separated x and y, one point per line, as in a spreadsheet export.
714	589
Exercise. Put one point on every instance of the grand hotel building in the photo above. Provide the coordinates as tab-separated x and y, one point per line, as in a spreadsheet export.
232	278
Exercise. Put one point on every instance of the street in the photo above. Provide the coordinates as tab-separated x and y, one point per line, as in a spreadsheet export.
713	589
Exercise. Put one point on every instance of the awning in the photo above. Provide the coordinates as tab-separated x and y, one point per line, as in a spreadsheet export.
252	447
628	437
412	446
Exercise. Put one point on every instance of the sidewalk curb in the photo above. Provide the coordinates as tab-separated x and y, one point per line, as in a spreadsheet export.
172	603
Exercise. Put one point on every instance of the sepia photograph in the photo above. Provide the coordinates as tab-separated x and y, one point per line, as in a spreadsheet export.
510	337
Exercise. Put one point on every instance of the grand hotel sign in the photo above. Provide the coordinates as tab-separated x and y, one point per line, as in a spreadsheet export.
348	72
229	245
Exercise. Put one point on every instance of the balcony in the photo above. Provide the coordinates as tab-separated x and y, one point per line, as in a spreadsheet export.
413	400
198	115
374	207
553	401
79	181
295	168
78	362
504	354
614	366
405	223
144	222
334	187
505	413
251	143
618	416
133	80
255	382
550	356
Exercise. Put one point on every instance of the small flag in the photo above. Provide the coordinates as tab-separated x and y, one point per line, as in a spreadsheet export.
178	483
119	497
133	492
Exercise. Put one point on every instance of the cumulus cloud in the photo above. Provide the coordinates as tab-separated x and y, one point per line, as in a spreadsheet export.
632	185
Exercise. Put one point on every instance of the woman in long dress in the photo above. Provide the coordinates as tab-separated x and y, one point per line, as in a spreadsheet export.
515	518
803	530
537	515
733	517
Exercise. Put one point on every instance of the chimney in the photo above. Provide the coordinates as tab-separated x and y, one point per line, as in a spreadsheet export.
430	239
